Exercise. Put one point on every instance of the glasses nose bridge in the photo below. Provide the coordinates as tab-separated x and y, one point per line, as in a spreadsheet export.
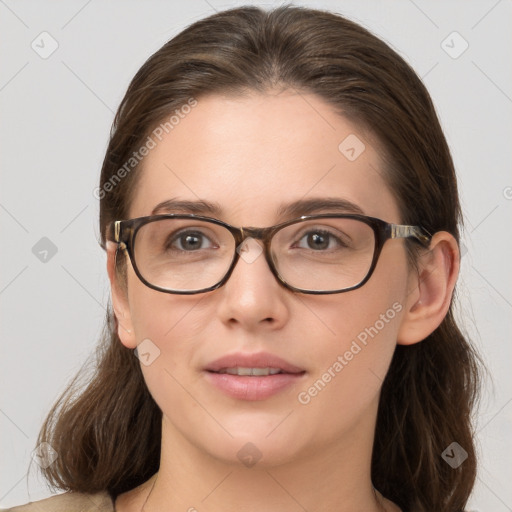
263	234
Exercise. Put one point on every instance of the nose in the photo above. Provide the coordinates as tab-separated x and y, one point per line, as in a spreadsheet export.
252	297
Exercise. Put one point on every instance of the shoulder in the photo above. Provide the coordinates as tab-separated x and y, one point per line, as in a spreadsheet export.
69	502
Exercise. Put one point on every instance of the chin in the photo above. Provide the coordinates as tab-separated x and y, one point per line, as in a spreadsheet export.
257	454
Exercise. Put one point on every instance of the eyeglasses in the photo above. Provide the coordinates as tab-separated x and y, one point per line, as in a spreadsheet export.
315	254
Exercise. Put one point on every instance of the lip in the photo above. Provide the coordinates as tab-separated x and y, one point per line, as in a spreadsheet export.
252	387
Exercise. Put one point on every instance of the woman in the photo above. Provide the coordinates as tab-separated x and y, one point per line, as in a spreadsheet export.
280	213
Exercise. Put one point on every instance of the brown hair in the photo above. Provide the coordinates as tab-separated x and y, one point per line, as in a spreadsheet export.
107	431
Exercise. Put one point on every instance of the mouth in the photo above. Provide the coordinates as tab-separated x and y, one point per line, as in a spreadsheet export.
252	376
252	372
260	363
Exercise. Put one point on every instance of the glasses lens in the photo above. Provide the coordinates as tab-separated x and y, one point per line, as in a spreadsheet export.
324	254
183	254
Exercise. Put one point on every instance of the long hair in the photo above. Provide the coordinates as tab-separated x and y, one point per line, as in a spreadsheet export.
107	430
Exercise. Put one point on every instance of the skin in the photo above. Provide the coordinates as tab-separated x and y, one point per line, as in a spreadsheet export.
251	154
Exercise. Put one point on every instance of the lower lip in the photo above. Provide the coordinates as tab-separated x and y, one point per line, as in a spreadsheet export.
245	387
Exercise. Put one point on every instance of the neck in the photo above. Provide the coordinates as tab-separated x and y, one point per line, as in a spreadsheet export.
336	478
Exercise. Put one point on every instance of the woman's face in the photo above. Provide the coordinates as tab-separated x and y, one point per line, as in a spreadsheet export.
252	155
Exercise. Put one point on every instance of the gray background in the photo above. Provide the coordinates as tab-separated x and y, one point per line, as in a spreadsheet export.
56	117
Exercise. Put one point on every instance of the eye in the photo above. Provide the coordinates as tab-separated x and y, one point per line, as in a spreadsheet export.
189	241
320	240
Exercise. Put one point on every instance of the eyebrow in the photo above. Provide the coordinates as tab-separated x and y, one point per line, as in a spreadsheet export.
290	210
316	205
179	205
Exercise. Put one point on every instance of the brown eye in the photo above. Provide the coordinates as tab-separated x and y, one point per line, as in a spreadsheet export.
320	240
189	241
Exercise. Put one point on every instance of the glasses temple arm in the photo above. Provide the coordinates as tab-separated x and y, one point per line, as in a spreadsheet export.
401	231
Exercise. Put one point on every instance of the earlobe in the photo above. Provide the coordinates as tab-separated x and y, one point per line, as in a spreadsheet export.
119	301
431	289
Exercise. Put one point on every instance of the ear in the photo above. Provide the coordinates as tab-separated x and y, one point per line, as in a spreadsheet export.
120	300
430	289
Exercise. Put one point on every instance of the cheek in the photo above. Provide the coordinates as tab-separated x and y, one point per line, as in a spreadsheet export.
357	343
358	337
159	316
344	388
167	329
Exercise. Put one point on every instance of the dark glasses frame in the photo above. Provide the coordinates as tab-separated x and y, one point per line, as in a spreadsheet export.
125	232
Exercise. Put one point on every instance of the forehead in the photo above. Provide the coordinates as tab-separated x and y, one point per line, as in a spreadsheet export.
252	154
